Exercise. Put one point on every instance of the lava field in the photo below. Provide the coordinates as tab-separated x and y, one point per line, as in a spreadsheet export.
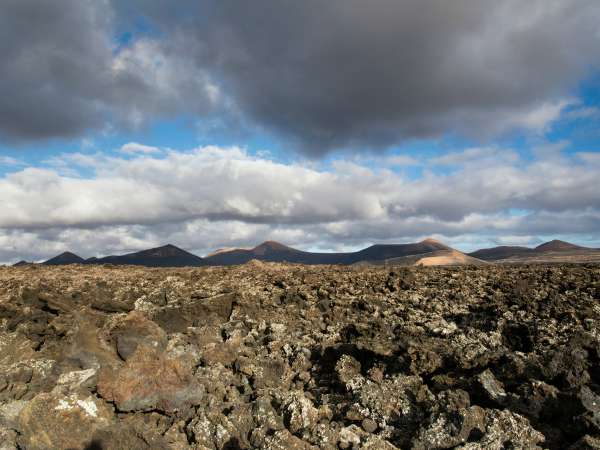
276	356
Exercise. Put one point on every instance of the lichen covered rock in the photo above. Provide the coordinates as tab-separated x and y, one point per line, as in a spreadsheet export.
277	356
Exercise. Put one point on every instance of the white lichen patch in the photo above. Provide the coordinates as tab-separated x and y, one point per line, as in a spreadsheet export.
76	377
87	405
42	367
63	405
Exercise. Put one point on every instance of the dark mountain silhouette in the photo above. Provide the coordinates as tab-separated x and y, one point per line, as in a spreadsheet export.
502	252
22	263
428	251
165	256
558	246
273	252
276	252
64	259
381	252
512	252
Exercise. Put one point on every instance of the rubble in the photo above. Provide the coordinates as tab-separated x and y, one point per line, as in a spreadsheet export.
276	356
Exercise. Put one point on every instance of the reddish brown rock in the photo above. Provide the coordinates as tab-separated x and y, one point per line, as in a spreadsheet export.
52	420
464	358
150	380
136	329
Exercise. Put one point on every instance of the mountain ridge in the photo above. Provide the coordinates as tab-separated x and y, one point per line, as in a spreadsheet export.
170	255
167	255
557	245
64	258
505	252
276	252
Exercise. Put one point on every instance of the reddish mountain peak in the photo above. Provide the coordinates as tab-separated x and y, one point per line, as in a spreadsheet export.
272	245
434	243
431	241
557	246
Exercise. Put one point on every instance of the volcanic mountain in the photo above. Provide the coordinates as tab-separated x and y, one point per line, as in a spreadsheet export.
559	246
383	252
448	258
427	252
165	256
64	259
276	252
501	252
273	252
22	263
551	251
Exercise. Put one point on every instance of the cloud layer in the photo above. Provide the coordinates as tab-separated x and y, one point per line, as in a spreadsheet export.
325	75
318	76
63	73
346	73
212	197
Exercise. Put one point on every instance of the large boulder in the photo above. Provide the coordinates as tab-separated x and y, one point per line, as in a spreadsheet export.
135	329
151	380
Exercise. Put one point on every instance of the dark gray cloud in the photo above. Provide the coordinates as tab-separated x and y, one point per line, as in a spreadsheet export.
342	73
323	74
62	73
53	55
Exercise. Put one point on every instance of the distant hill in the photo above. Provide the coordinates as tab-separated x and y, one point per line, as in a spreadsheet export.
275	252
446	257
165	256
502	252
64	259
449	258
272	251
426	252
552	251
22	263
558	246
380	252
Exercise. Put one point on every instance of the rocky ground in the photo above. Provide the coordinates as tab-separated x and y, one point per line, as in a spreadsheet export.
273	356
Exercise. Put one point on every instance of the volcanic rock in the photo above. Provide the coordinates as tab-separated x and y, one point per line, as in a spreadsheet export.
278	356
56	421
149	380
135	329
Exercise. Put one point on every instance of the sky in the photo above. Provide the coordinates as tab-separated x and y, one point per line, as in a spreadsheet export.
325	125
